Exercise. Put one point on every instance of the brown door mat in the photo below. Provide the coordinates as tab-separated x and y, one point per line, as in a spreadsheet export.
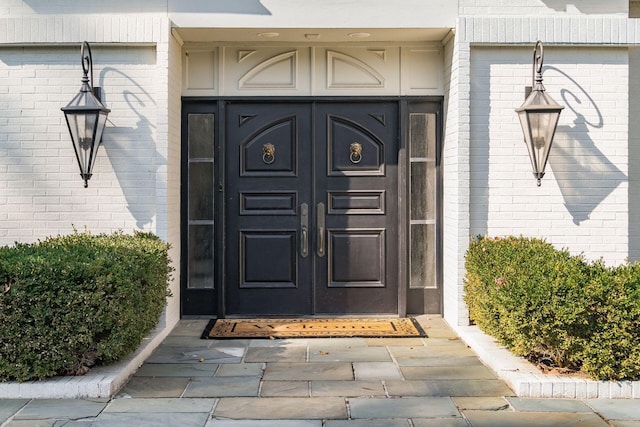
313	328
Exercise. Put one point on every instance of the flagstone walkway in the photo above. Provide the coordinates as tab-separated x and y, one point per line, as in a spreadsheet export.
337	382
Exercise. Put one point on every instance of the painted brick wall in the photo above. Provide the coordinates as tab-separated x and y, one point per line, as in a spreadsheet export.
583	201
455	164
174	85
542	7
634	154
41	192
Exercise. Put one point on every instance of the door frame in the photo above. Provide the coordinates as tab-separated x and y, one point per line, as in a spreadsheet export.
211	302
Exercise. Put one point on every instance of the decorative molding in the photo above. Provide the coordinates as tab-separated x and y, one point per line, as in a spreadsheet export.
244	54
345	71
277	72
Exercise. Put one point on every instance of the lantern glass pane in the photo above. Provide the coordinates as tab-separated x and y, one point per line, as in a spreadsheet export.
102	121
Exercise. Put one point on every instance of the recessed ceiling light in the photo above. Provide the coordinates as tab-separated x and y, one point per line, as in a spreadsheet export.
268	35
359	35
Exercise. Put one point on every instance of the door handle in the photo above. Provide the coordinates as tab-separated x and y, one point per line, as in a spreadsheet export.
321	229
304	230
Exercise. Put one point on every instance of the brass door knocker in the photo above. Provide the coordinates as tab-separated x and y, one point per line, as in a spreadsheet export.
356	153
268	153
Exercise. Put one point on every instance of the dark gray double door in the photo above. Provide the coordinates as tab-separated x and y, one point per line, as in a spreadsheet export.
311	208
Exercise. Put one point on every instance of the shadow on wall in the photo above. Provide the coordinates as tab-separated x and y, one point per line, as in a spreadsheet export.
589	6
248	7
575	159
132	153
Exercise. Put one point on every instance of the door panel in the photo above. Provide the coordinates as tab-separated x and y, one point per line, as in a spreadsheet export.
266	148
356	177
310	227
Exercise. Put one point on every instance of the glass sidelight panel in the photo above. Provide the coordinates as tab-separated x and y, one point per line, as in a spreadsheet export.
200	265
423	206
200	191
423	255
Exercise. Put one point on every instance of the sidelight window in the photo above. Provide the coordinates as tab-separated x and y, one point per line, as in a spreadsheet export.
200	268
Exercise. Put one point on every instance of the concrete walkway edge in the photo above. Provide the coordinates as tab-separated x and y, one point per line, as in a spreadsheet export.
100	382
527	381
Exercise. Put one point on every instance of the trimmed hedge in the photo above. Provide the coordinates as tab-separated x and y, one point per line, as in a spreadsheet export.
555	309
70	302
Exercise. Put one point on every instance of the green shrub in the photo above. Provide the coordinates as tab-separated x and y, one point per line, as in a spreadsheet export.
69	302
556	309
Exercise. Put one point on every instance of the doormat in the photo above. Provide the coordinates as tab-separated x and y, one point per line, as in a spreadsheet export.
313	328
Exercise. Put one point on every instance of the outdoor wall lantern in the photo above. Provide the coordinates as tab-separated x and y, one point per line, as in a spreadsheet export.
86	117
538	117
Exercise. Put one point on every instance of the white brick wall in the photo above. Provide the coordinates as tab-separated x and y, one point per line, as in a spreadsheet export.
172	207
455	164
634	154
582	204
40	183
538	7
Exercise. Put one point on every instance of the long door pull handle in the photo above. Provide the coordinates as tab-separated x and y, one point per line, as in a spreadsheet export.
304	230
321	229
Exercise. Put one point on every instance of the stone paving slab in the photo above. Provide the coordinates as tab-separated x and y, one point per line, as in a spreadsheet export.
189	327
440	361
8	407
276	354
240	370
116	419
349	354
285	389
61	409
475	372
612	409
548	405
368	423
450	350
276	408
444	387
347	388
264	423
150	406
395	342
441	422
229	343
177	370
223	387
342	342
376	370
408	407
308	371
489	403
49	423
279	342
154	387
168	354
532	419
187	341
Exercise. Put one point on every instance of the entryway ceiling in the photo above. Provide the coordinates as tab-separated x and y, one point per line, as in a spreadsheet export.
306	35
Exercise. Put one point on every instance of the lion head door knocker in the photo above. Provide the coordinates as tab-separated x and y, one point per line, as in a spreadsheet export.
355	150
268	153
